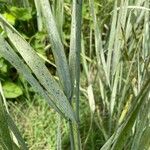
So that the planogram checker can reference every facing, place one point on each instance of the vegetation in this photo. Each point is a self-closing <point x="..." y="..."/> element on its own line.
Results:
<point x="75" y="74"/>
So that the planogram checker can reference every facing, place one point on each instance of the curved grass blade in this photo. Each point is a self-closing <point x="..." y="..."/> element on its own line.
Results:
<point x="8" y="53"/>
<point x="117" y="140"/>
<point x="127" y="126"/>
<point x="16" y="132"/>
<point x="39" y="69"/>
<point x="145" y="140"/>
<point x="15" y="147"/>
<point x="5" y="138"/>
<point x="108" y="144"/>
<point x="141" y="126"/>
<point x="120" y="24"/>
<point x="57" y="48"/>
<point x="12" y="126"/>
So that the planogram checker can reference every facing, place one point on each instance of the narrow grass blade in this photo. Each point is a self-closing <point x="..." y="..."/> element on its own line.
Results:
<point x="145" y="141"/>
<point x="118" y="139"/>
<point x="75" y="42"/>
<point x="114" y="92"/>
<point x="107" y="145"/>
<point x="111" y="40"/>
<point x="74" y="65"/>
<point x="127" y="126"/>
<point x="91" y="98"/>
<point x="141" y="126"/>
<point x="98" y="44"/>
<point x="58" y="12"/>
<point x="12" y="125"/>
<point x="113" y="99"/>
<point x="15" y="147"/>
<point x="57" y="48"/>
<point x="39" y="15"/>
<point x="84" y="61"/>
<point x="16" y="132"/>
<point x="59" y="136"/>
<point x="5" y="138"/>
<point x="122" y="16"/>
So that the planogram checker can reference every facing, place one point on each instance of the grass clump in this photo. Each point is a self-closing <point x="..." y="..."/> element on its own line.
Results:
<point x="100" y="83"/>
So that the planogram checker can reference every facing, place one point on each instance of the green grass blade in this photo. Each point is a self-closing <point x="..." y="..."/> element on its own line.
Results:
<point x="5" y="138"/>
<point x="75" y="42"/>
<point x="16" y="132"/>
<point x="39" y="15"/>
<point x="98" y="43"/>
<point x="59" y="136"/>
<point x="145" y="141"/>
<point x="84" y="61"/>
<point x="114" y="92"/>
<point x="113" y="99"/>
<point x="127" y="126"/>
<point x="15" y="147"/>
<point x="108" y="144"/>
<point x="141" y="126"/>
<point x="58" y="12"/>
<point x="122" y="16"/>
<point x="111" y="40"/>
<point x="74" y="64"/>
<point x="57" y="48"/>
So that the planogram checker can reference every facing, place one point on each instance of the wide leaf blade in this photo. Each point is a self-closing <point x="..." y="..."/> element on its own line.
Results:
<point x="39" y="69"/>
<point x="57" y="48"/>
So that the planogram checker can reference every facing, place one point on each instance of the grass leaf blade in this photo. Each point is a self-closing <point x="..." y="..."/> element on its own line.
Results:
<point x="5" y="137"/>
<point x="57" y="48"/>
<point x="53" y="90"/>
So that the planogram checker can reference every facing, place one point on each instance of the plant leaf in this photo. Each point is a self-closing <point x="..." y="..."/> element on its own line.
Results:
<point x="57" y="48"/>
<point x="16" y="132"/>
<point x="38" y="67"/>
<point x="75" y="42"/>
<point x="5" y="138"/>
<point x="126" y="128"/>
<point x="11" y="90"/>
